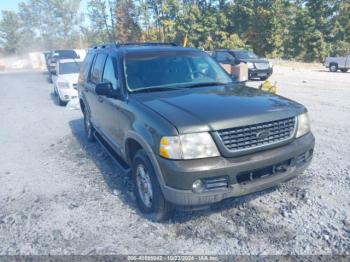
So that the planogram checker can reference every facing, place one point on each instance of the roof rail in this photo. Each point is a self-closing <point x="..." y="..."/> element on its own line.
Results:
<point x="106" y="45"/>
<point x="103" y="45"/>
<point x="145" y="44"/>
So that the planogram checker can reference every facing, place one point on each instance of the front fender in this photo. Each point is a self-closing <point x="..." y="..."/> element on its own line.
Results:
<point x="141" y="139"/>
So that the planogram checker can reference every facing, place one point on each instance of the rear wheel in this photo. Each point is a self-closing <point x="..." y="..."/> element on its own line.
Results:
<point x="344" y="70"/>
<point x="149" y="197"/>
<point x="89" y="129"/>
<point x="333" y="67"/>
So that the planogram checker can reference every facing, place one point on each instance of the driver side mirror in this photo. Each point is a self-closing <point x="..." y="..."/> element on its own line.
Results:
<point x="106" y="89"/>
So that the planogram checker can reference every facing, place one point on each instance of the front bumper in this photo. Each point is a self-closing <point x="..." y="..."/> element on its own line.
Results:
<point x="258" y="73"/>
<point x="67" y="94"/>
<point x="180" y="175"/>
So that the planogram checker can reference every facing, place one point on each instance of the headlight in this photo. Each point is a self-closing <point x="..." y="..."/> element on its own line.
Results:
<point x="303" y="124"/>
<point x="250" y="65"/>
<point x="63" y="84"/>
<point x="270" y="64"/>
<point x="188" y="146"/>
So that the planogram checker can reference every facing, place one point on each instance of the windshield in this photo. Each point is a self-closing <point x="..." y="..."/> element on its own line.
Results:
<point x="172" y="70"/>
<point x="70" y="68"/>
<point x="245" y="55"/>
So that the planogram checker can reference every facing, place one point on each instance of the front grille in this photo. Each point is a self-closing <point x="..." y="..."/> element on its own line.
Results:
<point x="262" y="66"/>
<point x="263" y="172"/>
<point x="258" y="135"/>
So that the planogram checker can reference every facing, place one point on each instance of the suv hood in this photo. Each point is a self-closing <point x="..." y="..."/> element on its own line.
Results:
<point x="218" y="107"/>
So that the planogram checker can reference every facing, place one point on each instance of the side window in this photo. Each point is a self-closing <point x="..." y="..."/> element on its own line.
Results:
<point x="97" y="70"/>
<point x="85" y="69"/>
<point x="109" y="73"/>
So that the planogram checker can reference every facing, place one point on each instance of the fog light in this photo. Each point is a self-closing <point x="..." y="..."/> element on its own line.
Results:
<point x="308" y="154"/>
<point x="197" y="186"/>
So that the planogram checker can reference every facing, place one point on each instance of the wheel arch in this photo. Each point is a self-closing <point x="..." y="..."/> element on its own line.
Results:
<point x="82" y="104"/>
<point x="134" y="142"/>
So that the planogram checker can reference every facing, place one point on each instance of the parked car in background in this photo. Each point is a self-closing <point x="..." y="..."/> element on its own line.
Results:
<point x="258" y="68"/>
<point x="47" y="55"/>
<point x="65" y="79"/>
<point x="60" y="54"/>
<point x="338" y="63"/>
<point x="188" y="134"/>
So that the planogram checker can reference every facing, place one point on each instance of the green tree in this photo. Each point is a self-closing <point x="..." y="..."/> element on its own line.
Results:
<point x="127" y="29"/>
<point x="10" y="33"/>
<point x="101" y="16"/>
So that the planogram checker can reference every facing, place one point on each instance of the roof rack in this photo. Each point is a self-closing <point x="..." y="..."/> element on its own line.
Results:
<point x="145" y="44"/>
<point x="106" y="45"/>
<point x="103" y="45"/>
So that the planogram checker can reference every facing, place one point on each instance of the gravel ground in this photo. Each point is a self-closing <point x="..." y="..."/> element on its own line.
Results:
<point x="60" y="194"/>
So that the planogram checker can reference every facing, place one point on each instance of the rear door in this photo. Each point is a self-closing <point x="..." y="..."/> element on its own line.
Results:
<point x="110" y="107"/>
<point x="89" y="88"/>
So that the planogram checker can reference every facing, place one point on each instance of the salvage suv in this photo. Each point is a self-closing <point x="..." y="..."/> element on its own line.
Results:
<point x="189" y="135"/>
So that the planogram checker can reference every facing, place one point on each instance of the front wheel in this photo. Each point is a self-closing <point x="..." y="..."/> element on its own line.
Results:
<point x="149" y="197"/>
<point x="59" y="101"/>
<point x="333" y="68"/>
<point x="344" y="70"/>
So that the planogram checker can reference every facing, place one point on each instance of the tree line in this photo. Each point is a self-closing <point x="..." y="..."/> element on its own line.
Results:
<point x="305" y="30"/>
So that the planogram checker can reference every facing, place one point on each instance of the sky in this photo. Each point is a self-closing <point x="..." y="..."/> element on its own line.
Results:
<point x="9" y="4"/>
<point x="13" y="4"/>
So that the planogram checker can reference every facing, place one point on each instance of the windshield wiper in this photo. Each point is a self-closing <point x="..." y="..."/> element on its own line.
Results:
<point x="206" y="84"/>
<point x="155" y="89"/>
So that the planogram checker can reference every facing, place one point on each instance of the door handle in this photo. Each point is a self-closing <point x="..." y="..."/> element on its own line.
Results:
<point x="100" y="99"/>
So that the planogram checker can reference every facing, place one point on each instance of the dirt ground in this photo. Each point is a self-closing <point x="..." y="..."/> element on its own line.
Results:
<point x="60" y="194"/>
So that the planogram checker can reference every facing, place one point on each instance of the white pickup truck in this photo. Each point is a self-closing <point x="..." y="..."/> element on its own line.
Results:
<point x="338" y="63"/>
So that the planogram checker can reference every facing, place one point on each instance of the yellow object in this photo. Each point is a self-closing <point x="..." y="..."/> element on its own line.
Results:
<point x="267" y="86"/>
<point x="164" y="152"/>
<point x="164" y="141"/>
<point x="185" y="41"/>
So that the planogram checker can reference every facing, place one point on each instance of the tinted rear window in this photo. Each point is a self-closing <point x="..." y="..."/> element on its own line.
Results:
<point x="66" y="53"/>
<point x="97" y="70"/>
<point x="85" y="70"/>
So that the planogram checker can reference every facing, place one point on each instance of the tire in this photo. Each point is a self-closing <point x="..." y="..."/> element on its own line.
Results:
<point x="344" y="70"/>
<point x="333" y="68"/>
<point x="60" y="102"/>
<point x="149" y="196"/>
<point x="89" y="129"/>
